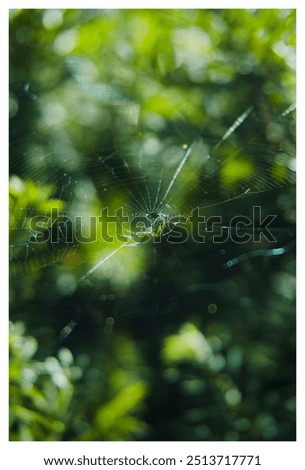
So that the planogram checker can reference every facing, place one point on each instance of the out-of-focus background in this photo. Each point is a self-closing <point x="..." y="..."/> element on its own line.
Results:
<point x="160" y="341"/>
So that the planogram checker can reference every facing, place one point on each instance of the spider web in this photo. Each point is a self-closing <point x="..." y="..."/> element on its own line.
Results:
<point x="149" y="175"/>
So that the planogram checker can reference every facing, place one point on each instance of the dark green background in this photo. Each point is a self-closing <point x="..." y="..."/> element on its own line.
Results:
<point x="169" y="344"/>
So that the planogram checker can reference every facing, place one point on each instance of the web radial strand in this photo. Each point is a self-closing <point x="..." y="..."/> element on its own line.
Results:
<point x="147" y="191"/>
<point x="267" y="253"/>
<point x="150" y="207"/>
<point x="144" y="202"/>
<point x="234" y="126"/>
<point x="176" y="174"/>
<point x="135" y="203"/>
<point x="101" y="262"/>
<point x="289" y="110"/>
<point x="159" y="184"/>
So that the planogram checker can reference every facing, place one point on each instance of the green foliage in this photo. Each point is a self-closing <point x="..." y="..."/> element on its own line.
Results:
<point x="189" y="345"/>
<point x="40" y="391"/>
<point x="45" y="399"/>
<point x="219" y="380"/>
<point x="168" y="344"/>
